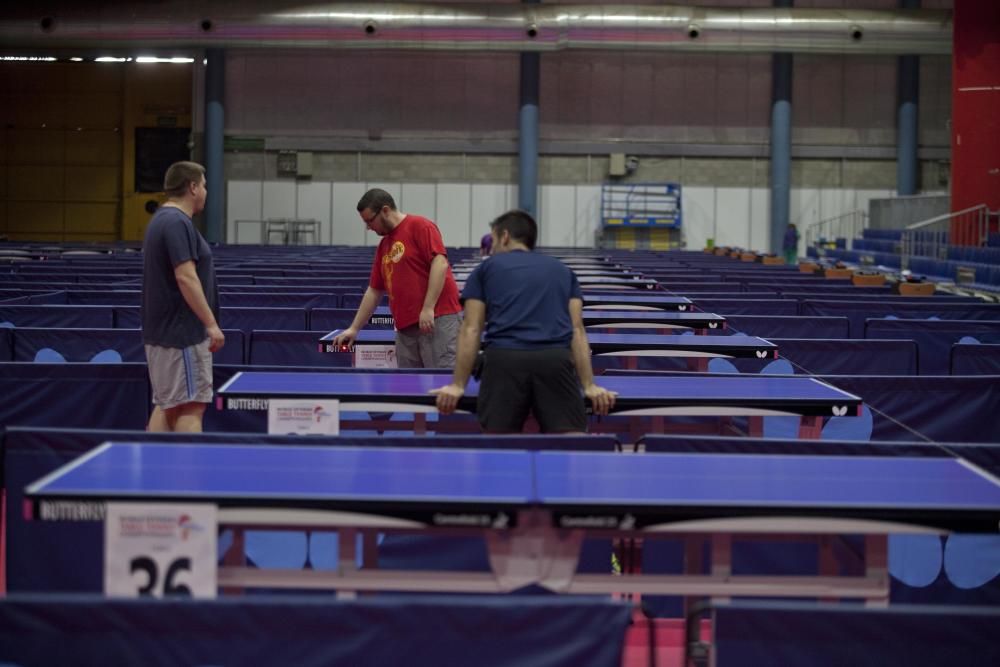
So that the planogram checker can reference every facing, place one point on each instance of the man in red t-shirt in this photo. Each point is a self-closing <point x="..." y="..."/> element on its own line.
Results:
<point x="411" y="266"/>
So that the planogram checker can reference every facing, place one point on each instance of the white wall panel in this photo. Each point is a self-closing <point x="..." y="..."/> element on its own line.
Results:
<point x="732" y="222"/>
<point x="454" y="204"/>
<point x="419" y="199"/>
<point x="488" y="202"/>
<point x="314" y="203"/>
<point x="760" y="219"/>
<point x="243" y="201"/>
<point x="557" y="215"/>
<point x="588" y="215"/>
<point x="698" y="209"/>
<point x="804" y="206"/>
<point x="279" y="200"/>
<point x="346" y="226"/>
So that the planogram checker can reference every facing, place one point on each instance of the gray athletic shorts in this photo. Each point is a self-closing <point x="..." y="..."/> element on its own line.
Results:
<point x="434" y="350"/>
<point x="180" y="375"/>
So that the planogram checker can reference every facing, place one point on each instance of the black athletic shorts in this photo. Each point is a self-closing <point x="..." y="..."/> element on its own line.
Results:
<point x="515" y="383"/>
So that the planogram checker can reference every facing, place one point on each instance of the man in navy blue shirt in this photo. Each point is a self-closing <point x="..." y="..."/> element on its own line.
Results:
<point x="536" y="359"/>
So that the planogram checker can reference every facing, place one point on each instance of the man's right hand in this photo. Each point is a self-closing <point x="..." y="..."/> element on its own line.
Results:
<point x="216" y="338"/>
<point x="346" y="337"/>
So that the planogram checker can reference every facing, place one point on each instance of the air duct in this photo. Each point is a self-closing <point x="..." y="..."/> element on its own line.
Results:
<point x="180" y="24"/>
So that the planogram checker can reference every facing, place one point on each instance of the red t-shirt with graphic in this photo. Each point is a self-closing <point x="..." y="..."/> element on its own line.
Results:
<point x="402" y="268"/>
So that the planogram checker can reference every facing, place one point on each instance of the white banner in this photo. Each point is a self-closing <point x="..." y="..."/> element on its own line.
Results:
<point x="296" y="416"/>
<point x="160" y="550"/>
<point x="375" y="356"/>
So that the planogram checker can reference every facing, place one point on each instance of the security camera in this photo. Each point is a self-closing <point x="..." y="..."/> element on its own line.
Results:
<point x="370" y="27"/>
<point x="694" y="31"/>
<point x="631" y="163"/>
<point x="857" y="32"/>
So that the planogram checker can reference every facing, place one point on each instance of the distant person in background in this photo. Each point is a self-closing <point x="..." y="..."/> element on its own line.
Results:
<point x="486" y="245"/>
<point x="411" y="266"/>
<point x="790" y="244"/>
<point x="180" y="305"/>
<point x="537" y="359"/>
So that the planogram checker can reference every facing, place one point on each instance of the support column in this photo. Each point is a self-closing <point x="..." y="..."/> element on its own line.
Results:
<point x="975" y="113"/>
<point x="527" y="145"/>
<point x="907" y="138"/>
<point x="214" y="140"/>
<point x="781" y="142"/>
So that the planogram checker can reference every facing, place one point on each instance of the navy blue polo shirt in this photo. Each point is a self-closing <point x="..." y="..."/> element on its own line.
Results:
<point x="527" y="299"/>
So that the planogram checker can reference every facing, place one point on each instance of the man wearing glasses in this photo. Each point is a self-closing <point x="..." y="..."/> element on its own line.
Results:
<point x="411" y="266"/>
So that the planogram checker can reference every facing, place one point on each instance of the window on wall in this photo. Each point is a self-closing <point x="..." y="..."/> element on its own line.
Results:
<point x="156" y="148"/>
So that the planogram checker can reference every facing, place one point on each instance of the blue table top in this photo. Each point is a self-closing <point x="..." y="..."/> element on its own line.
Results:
<point x="762" y="481"/>
<point x="321" y="477"/>
<point x="581" y="488"/>
<point x="798" y="395"/>
<point x="600" y="343"/>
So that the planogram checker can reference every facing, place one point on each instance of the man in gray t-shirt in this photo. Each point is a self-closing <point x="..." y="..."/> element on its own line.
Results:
<point x="180" y="305"/>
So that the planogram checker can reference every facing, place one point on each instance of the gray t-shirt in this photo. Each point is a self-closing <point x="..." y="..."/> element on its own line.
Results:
<point x="171" y="240"/>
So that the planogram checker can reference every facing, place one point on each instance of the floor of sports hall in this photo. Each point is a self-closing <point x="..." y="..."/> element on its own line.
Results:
<point x="911" y="370"/>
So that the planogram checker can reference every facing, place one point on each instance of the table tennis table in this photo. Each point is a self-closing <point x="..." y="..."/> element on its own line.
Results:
<point x="601" y="283"/>
<point x="697" y="349"/>
<point x="755" y="396"/>
<point x="627" y="301"/>
<point x="534" y="508"/>
<point x="652" y="319"/>
<point x="590" y="274"/>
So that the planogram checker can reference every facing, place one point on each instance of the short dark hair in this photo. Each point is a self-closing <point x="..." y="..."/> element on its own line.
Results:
<point x="519" y="224"/>
<point x="375" y="199"/>
<point x="179" y="175"/>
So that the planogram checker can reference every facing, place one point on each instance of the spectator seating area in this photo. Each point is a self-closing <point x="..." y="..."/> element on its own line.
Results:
<point x="980" y="266"/>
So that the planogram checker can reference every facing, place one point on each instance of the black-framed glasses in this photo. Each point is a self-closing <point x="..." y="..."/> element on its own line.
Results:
<point x="369" y="221"/>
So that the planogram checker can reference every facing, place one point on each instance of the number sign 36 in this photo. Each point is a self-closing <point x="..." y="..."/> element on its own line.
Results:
<point x="160" y="550"/>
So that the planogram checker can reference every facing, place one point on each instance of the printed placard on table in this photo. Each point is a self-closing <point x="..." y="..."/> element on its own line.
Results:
<point x="160" y="550"/>
<point x="295" y="416"/>
<point x="375" y="356"/>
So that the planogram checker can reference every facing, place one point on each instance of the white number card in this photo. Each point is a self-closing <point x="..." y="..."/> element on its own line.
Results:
<point x="292" y="416"/>
<point x="160" y="550"/>
<point x="375" y="356"/>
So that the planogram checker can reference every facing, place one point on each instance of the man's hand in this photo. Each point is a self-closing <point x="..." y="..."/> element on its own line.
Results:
<point x="216" y="338"/>
<point x="601" y="399"/>
<point x="426" y="320"/>
<point x="346" y="337"/>
<point x="447" y="397"/>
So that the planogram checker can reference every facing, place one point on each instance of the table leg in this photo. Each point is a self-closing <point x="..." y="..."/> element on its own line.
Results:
<point x="877" y="566"/>
<point x="235" y="556"/>
<point x="810" y="427"/>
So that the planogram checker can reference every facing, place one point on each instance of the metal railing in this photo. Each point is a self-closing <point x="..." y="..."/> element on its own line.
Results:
<point x="930" y="238"/>
<point x="846" y="225"/>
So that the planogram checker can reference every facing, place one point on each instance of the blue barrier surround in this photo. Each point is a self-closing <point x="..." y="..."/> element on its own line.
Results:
<point x="421" y="630"/>
<point x="751" y="634"/>
<point x="81" y="345"/>
<point x="778" y="326"/>
<point x="857" y="312"/>
<point x="6" y="344"/>
<point x="975" y="359"/>
<point x="66" y="316"/>
<point x="934" y="338"/>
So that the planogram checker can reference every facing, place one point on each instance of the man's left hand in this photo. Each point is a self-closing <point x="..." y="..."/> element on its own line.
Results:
<point x="426" y="320"/>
